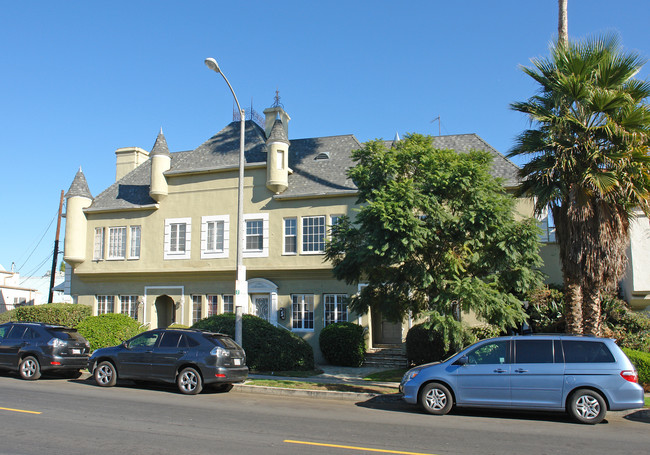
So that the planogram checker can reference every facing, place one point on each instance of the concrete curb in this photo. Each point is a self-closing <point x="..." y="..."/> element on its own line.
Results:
<point x="321" y="394"/>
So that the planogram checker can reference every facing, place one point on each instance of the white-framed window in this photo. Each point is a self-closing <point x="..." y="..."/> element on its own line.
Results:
<point x="178" y="238"/>
<point x="215" y="236"/>
<point x="228" y="303"/>
<point x="117" y="242"/>
<point x="313" y="234"/>
<point x="129" y="305"/>
<point x="290" y="238"/>
<point x="302" y="311"/>
<point x="134" y="242"/>
<point x="256" y="243"/>
<point x="336" y="308"/>
<point x="105" y="304"/>
<point x="98" y="248"/>
<point x="197" y="307"/>
<point x="213" y="304"/>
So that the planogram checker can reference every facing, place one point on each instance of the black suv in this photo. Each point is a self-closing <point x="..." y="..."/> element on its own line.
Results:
<point x="188" y="357"/>
<point x="34" y="347"/>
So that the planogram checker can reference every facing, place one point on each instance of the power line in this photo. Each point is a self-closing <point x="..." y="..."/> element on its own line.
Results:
<point x="40" y="240"/>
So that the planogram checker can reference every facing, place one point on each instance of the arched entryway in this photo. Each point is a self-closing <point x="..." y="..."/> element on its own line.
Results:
<point x="164" y="311"/>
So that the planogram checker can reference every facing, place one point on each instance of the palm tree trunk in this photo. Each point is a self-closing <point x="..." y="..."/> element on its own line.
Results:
<point x="591" y="320"/>
<point x="562" y="23"/>
<point x="573" y="306"/>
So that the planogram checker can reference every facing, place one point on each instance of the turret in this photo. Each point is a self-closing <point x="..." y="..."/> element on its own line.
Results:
<point x="161" y="161"/>
<point x="78" y="198"/>
<point x="277" y="149"/>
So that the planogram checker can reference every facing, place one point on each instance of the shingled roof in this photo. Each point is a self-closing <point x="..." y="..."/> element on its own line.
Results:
<point x="319" y="165"/>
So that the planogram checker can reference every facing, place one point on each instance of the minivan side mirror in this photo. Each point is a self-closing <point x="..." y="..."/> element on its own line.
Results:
<point x="462" y="361"/>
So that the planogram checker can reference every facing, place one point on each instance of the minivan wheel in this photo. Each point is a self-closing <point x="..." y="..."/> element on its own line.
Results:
<point x="105" y="374"/>
<point x="587" y="406"/>
<point x="436" y="399"/>
<point x="189" y="381"/>
<point x="29" y="368"/>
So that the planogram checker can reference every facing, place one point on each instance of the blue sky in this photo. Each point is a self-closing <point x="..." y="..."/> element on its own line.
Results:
<point x="80" y="79"/>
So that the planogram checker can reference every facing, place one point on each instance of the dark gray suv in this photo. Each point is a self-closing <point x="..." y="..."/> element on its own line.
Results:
<point x="32" y="348"/>
<point x="190" y="358"/>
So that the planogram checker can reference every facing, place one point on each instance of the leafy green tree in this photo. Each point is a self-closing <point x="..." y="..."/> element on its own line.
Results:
<point x="436" y="236"/>
<point x="589" y="162"/>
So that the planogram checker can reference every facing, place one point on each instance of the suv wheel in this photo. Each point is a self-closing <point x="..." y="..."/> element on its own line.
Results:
<point x="105" y="374"/>
<point x="436" y="399"/>
<point x="189" y="381"/>
<point x="29" y="368"/>
<point x="587" y="406"/>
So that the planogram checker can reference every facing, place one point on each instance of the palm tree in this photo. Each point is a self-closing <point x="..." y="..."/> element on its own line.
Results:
<point x="588" y="150"/>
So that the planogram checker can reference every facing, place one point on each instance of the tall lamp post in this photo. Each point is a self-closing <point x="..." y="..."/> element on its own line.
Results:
<point x="241" y="286"/>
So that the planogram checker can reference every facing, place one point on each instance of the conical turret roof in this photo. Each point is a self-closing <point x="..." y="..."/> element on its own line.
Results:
<point x="278" y="134"/>
<point x="160" y="146"/>
<point x="79" y="186"/>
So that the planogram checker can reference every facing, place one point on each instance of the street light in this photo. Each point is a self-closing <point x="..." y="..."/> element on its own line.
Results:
<point x="241" y="286"/>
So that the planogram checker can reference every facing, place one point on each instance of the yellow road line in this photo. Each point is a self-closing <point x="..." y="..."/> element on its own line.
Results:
<point x="365" y="449"/>
<point x="20" y="410"/>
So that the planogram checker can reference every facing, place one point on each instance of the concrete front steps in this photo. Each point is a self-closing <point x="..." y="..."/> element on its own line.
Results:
<point x="389" y="356"/>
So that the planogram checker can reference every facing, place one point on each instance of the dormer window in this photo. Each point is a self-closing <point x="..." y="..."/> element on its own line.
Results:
<point x="322" y="156"/>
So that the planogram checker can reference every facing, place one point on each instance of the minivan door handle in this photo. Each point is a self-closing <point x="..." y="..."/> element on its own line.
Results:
<point x="499" y="370"/>
<point x="521" y="370"/>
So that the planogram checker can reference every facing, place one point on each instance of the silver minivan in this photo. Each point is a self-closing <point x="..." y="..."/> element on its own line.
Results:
<point x="584" y="376"/>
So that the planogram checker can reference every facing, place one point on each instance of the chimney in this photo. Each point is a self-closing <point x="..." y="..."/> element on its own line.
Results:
<point x="127" y="159"/>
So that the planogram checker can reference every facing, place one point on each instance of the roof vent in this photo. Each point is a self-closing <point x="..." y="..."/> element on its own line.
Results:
<point x="322" y="156"/>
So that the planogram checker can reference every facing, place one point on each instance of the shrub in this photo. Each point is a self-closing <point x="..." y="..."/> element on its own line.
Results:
<point x="546" y="310"/>
<point x="481" y="332"/>
<point x="426" y="345"/>
<point x="630" y="329"/>
<point x="8" y="316"/>
<point x="641" y="361"/>
<point x="109" y="329"/>
<point x="178" y="326"/>
<point x="343" y="344"/>
<point x="66" y="314"/>
<point x="268" y="348"/>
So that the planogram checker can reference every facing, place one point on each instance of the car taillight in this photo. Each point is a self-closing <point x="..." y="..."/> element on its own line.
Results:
<point x="220" y="352"/>
<point x="630" y="375"/>
<point x="56" y="343"/>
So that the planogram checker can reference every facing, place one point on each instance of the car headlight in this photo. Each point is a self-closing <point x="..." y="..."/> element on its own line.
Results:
<point x="410" y="374"/>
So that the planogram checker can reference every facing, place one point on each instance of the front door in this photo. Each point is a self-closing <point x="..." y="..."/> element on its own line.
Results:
<point x="262" y="306"/>
<point x="164" y="311"/>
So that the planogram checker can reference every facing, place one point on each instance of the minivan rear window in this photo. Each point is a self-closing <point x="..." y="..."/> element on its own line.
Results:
<point x="586" y="352"/>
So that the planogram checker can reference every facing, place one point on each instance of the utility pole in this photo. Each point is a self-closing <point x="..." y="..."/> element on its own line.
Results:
<point x="56" y="251"/>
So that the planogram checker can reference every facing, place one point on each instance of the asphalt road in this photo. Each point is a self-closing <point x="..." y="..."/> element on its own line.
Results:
<point x="77" y="417"/>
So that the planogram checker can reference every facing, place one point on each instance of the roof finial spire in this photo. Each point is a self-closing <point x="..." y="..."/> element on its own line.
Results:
<point x="276" y="99"/>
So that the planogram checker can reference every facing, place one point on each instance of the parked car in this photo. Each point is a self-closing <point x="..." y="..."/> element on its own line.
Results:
<point x="32" y="348"/>
<point x="190" y="358"/>
<point x="584" y="376"/>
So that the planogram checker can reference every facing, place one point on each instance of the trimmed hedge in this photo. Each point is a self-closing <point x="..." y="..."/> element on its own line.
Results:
<point x="343" y="344"/>
<point x="109" y="329"/>
<point x="425" y="346"/>
<point x="268" y="348"/>
<point x="65" y="314"/>
<point x="641" y="361"/>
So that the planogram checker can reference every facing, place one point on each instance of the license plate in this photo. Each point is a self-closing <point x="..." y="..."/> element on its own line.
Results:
<point x="76" y="351"/>
<point x="236" y="362"/>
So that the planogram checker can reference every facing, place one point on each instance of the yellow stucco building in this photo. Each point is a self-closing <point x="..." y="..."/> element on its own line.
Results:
<point x="160" y="243"/>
